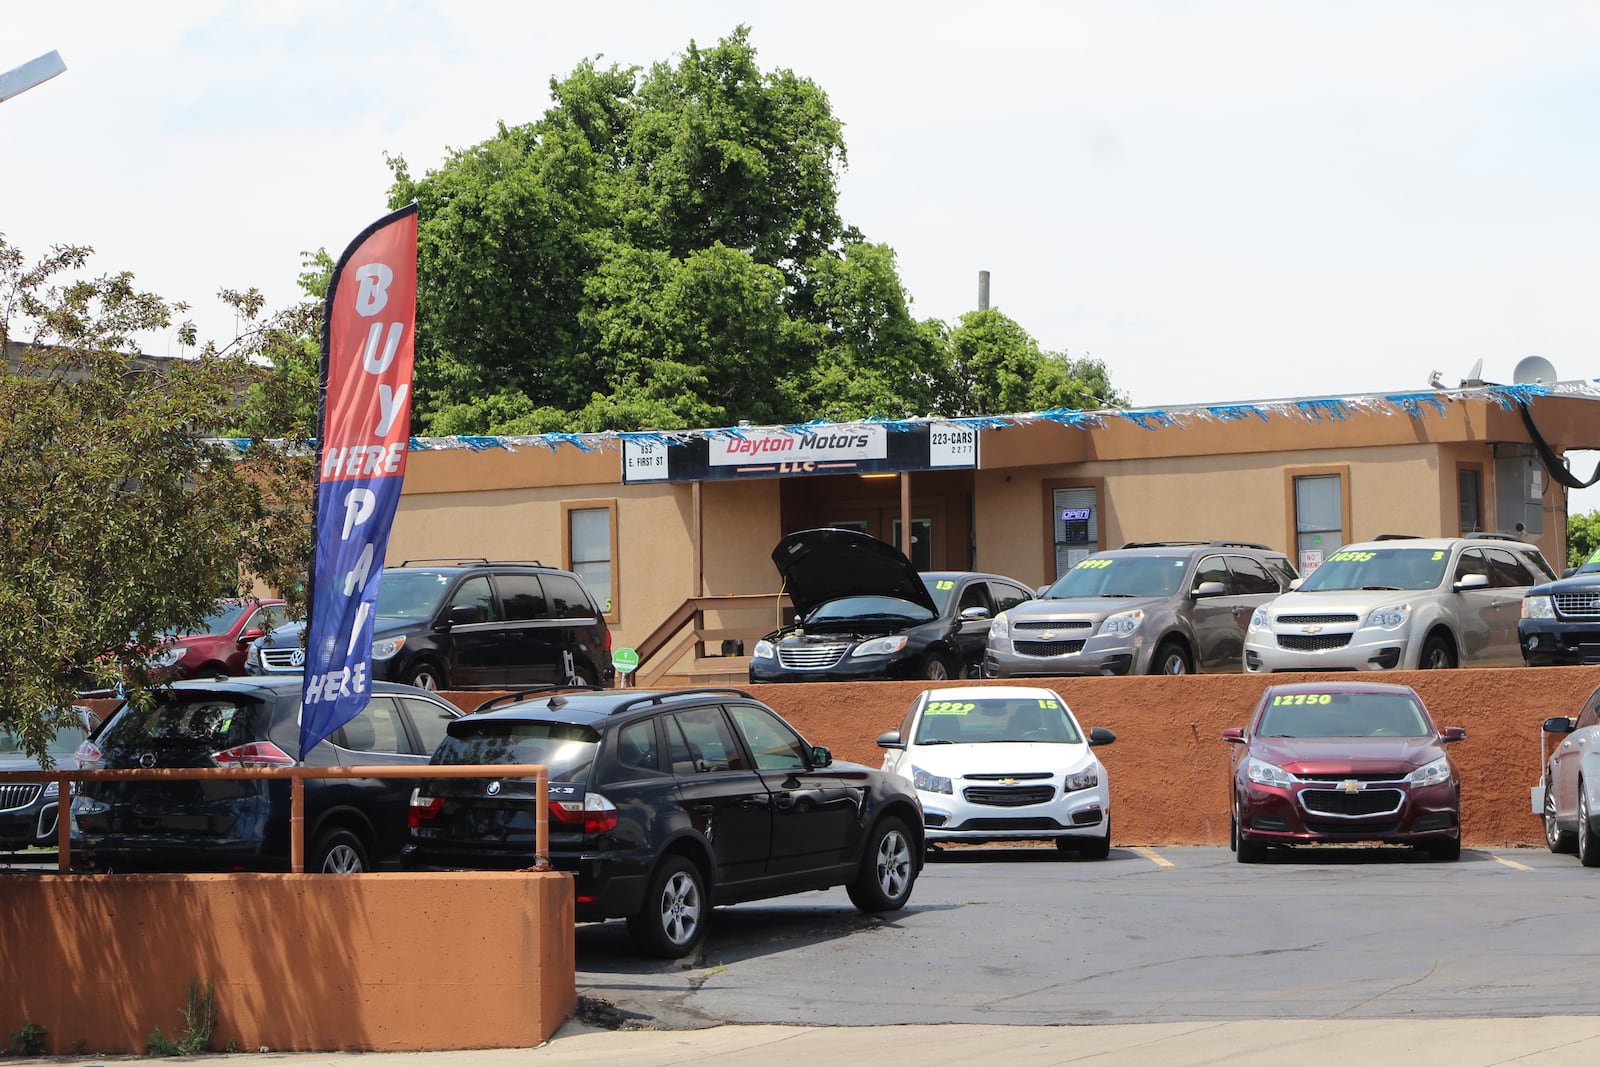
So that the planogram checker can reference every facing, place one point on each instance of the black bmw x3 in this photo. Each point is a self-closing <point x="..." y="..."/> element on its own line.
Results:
<point x="665" y="804"/>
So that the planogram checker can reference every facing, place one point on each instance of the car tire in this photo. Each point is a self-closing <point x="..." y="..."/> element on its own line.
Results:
<point x="1091" y="848"/>
<point x="1233" y="833"/>
<point x="1588" y="843"/>
<point x="1244" y="849"/>
<point x="936" y="668"/>
<point x="338" y="852"/>
<point x="1557" y="839"/>
<point x="1170" y="658"/>
<point x="888" y="868"/>
<point x="1437" y="654"/>
<point x="425" y="674"/>
<point x="1445" y="851"/>
<point x="672" y="922"/>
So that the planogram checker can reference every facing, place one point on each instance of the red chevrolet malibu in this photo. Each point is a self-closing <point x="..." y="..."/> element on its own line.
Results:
<point x="1344" y="762"/>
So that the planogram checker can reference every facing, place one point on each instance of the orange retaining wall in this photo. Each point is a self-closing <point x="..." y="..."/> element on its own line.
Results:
<point x="1169" y="766"/>
<point x="375" y="962"/>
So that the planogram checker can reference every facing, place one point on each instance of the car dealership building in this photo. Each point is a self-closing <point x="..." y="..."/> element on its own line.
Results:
<point x="674" y="530"/>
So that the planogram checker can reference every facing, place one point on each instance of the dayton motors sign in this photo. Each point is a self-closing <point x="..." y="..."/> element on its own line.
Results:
<point x="771" y="452"/>
<point x="830" y="449"/>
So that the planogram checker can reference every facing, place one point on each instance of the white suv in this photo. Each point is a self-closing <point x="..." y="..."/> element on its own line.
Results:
<point x="1401" y="603"/>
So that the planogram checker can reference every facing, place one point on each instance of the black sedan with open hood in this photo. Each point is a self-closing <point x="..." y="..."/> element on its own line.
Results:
<point x="862" y="612"/>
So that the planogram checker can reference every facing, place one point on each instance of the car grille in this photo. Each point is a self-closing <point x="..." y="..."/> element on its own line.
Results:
<point x="1010" y="824"/>
<point x="1352" y="805"/>
<point x="19" y="794"/>
<point x="1312" y="642"/>
<point x="1000" y="796"/>
<point x="1314" y="620"/>
<point x="1045" y="624"/>
<point x="1578" y="604"/>
<point x="1047" y="648"/>
<point x="812" y="656"/>
<point x="283" y="659"/>
<point x="1368" y="831"/>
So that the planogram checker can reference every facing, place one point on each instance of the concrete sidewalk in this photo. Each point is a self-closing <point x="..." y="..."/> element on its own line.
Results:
<point x="1456" y="1042"/>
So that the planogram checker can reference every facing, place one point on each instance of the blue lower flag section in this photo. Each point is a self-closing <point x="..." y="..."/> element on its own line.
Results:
<point x="353" y="522"/>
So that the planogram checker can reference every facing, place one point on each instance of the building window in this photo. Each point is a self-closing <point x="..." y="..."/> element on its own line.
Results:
<point x="1469" y="481"/>
<point x="590" y="534"/>
<point x="1075" y="521"/>
<point x="1318" y="519"/>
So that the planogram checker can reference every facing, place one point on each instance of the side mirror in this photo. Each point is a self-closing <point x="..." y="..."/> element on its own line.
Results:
<point x="1042" y="590"/>
<point x="1558" y="724"/>
<point x="821" y="756"/>
<point x="461" y="614"/>
<point x="1452" y="733"/>
<point x="1210" y="589"/>
<point x="1233" y="735"/>
<point x="1099" y="735"/>
<point x="974" y="613"/>
<point x="1473" y="581"/>
<point x="890" y="739"/>
<point x="250" y="635"/>
<point x="1296" y="584"/>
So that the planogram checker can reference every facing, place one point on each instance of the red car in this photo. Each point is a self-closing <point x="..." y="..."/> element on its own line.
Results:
<point x="1344" y="762"/>
<point x="220" y="644"/>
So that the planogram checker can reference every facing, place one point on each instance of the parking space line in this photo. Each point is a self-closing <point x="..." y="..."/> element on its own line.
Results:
<point x="1153" y="856"/>
<point x="1513" y="864"/>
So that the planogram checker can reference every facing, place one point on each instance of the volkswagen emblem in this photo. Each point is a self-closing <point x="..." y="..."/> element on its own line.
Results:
<point x="494" y="789"/>
<point x="147" y="760"/>
<point x="297" y="658"/>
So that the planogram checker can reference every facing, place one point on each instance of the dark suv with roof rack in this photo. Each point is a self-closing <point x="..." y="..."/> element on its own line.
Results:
<point x="1149" y="607"/>
<point x="470" y="624"/>
<point x="665" y="804"/>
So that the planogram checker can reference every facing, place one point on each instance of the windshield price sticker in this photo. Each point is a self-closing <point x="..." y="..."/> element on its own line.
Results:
<point x="1353" y="557"/>
<point x="1049" y="705"/>
<point x="944" y="583"/>
<point x="948" y="707"/>
<point x="1438" y="555"/>
<point x="1096" y="564"/>
<point x="1302" y="698"/>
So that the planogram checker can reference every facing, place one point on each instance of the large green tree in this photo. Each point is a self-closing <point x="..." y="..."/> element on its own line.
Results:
<point x="663" y="249"/>
<point x="127" y="510"/>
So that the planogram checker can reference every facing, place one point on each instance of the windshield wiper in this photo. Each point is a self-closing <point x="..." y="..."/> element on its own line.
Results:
<point x="1393" y="588"/>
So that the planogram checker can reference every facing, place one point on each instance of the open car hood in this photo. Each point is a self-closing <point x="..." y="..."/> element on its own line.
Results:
<point x="822" y="565"/>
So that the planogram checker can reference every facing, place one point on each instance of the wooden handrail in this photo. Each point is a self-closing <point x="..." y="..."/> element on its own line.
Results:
<point x="298" y="776"/>
<point x="692" y="610"/>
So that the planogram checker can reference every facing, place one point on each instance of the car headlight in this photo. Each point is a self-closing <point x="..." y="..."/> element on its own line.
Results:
<point x="763" y="650"/>
<point x="1260" y="619"/>
<point x="167" y="657"/>
<point x="52" y="789"/>
<point x="253" y="656"/>
<point x="1122" y="624"/>
<point x="880" y="646"/>
<point x="1538" y="607"/>
<point x="1264" y="773"/>
<point x="930" y="783"/>
<point x="387" y="647"/>
<point x="1000" y="628"/>
<point x="1390" y="618"/>
<point x="1435" y="773"/>
<point x="1082" y="780"/>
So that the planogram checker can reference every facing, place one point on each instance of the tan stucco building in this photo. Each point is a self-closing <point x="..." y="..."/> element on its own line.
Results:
<point x="679" y="528"/>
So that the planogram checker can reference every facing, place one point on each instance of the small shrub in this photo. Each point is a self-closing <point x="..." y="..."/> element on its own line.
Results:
<point x="199" y="1020"/>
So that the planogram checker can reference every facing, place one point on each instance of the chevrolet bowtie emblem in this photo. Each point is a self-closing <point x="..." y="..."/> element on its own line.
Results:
<point x="1311" y="629"/>
<point x="1350" y="785"/>
<point x="1048" y="635"/>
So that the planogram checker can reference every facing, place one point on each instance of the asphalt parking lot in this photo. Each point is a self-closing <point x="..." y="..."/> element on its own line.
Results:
<point x="1025" y="936"/>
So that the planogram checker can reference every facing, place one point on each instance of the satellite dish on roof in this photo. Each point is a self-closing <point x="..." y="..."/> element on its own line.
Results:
<point x="1534" y="370"/>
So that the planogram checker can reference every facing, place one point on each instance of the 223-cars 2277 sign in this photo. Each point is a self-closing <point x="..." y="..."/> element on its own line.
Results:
<point x="772" y="452"/>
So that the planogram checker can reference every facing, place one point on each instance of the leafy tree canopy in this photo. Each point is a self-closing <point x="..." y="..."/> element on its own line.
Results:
<point x="663" y="250"/>
<point x="1583" y="537"/>
<point x="125" y="513"/>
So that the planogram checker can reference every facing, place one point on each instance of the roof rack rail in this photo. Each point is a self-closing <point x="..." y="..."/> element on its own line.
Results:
<point x="1493" y="537"/>
<point x="1397" y="537"/>
<point x="1198" y="544"/>
<point x="458" y="561"/>
<point x="533" y="691"/>
<point x="670" y="694"/>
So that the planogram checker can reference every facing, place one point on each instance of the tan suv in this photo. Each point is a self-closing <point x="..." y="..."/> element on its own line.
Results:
<point x="1401" y="603"/>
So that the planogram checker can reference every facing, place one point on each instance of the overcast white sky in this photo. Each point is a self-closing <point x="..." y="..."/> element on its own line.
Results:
<point x="1224" y="201"/>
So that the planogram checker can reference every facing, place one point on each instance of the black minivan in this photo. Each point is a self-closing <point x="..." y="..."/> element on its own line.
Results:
<point x="470" y="625"/>
<point x="239" y="824"/>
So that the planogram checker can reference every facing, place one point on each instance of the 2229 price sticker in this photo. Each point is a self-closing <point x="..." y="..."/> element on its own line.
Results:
<point x="948" y="707"/>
